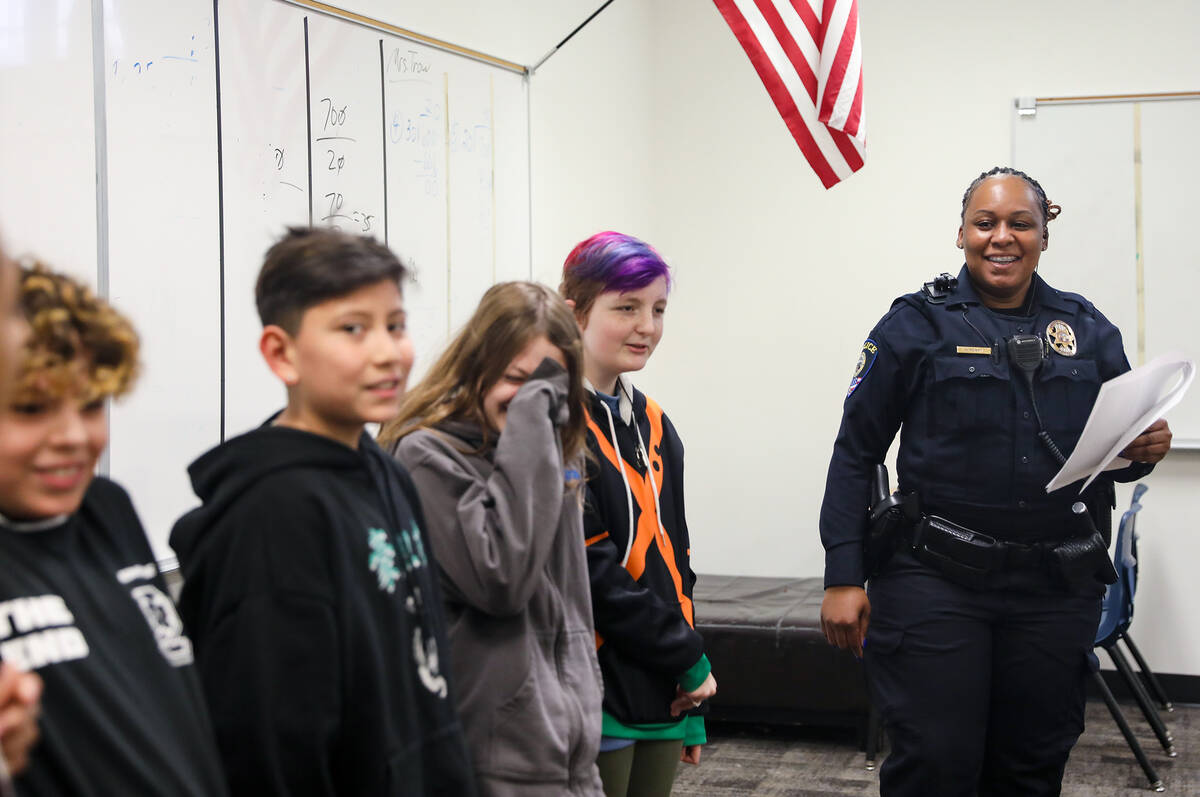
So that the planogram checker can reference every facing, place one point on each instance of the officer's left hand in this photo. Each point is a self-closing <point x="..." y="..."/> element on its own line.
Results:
<point x="1151" y="445"/>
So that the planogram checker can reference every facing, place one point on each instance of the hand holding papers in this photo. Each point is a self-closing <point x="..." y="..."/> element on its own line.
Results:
<point x="1125" y="406"/>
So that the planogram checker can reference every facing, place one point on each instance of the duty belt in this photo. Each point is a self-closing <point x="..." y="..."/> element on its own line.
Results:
<point x="971" y="557"/>
<point x="977" y="560"/>
<point x="974" y="559"/>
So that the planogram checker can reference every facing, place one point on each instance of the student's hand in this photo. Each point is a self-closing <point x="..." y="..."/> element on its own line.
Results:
<point x="845" y="614"/>
<point x="691" y="754"/>
<point x="20" y="696"/>
<point x="560" y="410"/>
<point x="686" y="701"/>
<point x="1151" y="445"/>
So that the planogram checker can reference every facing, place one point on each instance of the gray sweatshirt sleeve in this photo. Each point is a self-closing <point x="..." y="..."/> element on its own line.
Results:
<point x="492" y="536"/>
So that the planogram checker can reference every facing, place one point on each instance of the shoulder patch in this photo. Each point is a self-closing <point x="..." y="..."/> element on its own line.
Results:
<point x="866" y="358"/>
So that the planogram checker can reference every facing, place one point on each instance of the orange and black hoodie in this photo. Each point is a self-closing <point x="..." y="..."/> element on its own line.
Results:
<point x="638" y="555"/>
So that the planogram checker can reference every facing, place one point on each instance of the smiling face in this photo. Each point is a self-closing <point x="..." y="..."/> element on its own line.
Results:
<point x="49" y="446"/>
<point x="347" y="364"/>
<point x="1002" y="235"/>
<point x="497" y="398"/>
<point x="621" y="331"/>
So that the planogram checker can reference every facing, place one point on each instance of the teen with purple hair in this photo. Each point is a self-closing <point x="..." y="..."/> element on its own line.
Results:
<point x="655" y="672"/>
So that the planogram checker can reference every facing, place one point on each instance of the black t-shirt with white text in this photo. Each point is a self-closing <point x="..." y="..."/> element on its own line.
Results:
<point x="82" y="603"/>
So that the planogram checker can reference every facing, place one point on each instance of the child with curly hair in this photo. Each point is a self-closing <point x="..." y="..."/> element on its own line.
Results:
<point x="82" y="602"/>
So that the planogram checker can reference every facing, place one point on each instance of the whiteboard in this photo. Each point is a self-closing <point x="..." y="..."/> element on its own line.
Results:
<point x="160" y="110"/>
<point x="185" y="137"/>
<point x="48" y="157"/>
<point x="333" y="122"/>
<point x="1083" y="155"/>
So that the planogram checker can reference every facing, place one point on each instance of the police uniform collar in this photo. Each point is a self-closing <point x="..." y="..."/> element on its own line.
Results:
<point x="1044" y="295"/>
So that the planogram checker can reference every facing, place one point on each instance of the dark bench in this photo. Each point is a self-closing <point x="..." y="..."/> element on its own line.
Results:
<point x="772" y="664"/>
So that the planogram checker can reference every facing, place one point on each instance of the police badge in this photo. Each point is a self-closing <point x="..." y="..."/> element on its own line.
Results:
<point x="1061" y="338"/>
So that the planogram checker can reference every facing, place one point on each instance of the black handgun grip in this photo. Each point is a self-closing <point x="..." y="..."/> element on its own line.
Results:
<point x="879" y="486"/>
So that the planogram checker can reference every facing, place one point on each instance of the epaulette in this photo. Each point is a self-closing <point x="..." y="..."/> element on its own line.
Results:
<point x="1085" y="304"/>
<point x="937" y="289"/>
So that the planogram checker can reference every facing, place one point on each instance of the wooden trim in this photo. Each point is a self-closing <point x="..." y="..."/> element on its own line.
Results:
<point x="1168" y="95"/>
<point x="404" y="33"/>
<point x="1139" y="234"/>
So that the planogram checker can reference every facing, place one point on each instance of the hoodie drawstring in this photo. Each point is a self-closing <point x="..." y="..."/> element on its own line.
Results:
<point x="612" y="431"/>
<point x="644" y="456"/>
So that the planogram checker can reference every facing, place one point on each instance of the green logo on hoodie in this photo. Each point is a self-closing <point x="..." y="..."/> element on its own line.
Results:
<point x="382" y="559"/>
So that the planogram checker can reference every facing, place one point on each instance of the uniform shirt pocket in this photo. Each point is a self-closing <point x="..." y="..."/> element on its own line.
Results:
<point x="970" y="393"/>
<point x="1066" y="391"/>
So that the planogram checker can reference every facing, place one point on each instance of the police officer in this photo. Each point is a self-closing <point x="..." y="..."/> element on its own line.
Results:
<point x="977" y="642"/>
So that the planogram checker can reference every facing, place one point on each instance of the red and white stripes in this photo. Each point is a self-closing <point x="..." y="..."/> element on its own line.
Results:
<point x="809" y="56"/>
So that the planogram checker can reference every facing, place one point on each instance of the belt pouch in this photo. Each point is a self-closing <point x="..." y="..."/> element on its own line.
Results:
<point x="1083" y="563"/>
<point x="961" y="555"/>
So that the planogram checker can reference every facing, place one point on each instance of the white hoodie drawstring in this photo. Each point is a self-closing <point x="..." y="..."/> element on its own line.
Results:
<point x="612" y="431"/>
<point x="645" y="456"/>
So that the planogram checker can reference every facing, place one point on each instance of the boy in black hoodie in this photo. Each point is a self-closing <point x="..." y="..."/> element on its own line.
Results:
<point x="309" y="593"/>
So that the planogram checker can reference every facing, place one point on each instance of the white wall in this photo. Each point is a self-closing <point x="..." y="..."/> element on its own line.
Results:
<point x="592" y="137"/>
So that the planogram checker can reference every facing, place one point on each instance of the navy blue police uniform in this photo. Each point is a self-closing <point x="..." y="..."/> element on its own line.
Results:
<point x="981" y="686"/>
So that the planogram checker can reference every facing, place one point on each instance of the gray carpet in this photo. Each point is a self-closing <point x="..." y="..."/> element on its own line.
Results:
<point x="774" y="762"/>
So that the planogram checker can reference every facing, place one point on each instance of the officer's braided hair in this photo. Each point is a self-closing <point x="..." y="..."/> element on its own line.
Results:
<point x="1049" y="210"/>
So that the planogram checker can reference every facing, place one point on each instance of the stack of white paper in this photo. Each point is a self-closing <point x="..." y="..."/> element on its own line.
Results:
<point x="1125" y="406"/>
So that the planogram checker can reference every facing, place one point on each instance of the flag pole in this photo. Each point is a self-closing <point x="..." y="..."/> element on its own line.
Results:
<point x="580" y="27"/>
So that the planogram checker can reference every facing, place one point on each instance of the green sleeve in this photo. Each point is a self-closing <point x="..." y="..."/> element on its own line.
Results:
<point x="694" y="732"/>
<point x="696" y="674"/>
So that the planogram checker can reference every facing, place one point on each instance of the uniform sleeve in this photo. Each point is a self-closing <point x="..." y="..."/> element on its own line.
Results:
<point x="492" y="536"/>
<point x="631" y="618"/>
<point x="873" y="410"/>
<point x="268" y="654"/>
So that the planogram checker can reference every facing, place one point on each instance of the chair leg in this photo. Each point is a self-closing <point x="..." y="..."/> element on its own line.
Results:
<point x="1143" y="699"/>
<point x="874" y="731"/>
<point x="1148" y="676"/>
<point x="1118" y="717"/>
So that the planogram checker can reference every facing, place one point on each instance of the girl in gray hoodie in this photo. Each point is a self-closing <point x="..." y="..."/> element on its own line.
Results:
<point x="494" y="439"/>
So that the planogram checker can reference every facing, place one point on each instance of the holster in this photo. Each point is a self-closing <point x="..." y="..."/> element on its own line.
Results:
<point x="1083" y="561"/>
<point x="886" y="521"/>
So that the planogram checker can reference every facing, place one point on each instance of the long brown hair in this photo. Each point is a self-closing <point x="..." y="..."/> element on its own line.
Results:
<point x="510" y="315"/>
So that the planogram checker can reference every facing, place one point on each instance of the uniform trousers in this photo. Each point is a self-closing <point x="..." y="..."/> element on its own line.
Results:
<point x="982" y="692"/>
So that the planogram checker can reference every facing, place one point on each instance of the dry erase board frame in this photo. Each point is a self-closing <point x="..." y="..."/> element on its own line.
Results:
<point x="1121" y="166"/>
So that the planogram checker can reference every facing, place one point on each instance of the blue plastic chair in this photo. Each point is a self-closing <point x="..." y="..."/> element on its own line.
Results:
<point x="1115" y="618"/>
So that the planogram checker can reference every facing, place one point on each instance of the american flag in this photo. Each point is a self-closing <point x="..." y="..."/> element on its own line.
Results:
<point x="808" y="55"/>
